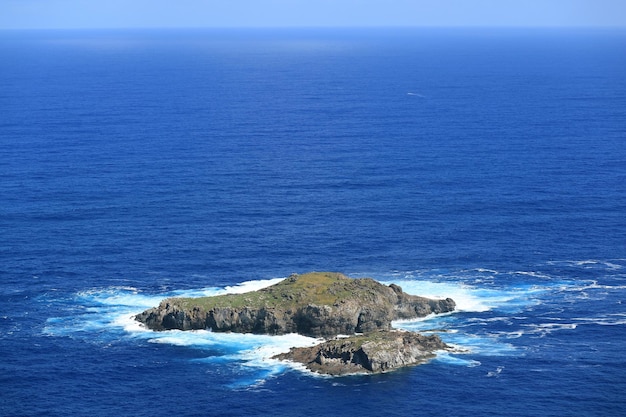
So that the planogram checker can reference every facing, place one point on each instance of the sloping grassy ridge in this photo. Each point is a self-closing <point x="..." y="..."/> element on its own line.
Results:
<point x="319" y="288"/>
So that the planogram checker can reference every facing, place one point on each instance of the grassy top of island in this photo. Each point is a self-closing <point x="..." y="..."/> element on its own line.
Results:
<point x="320" y="288"/>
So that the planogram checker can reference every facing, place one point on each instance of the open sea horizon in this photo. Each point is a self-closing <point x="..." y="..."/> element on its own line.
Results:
<point x="485" y="165"/>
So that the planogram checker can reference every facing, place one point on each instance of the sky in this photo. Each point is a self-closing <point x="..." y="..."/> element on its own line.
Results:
<point x="73" y="14"/>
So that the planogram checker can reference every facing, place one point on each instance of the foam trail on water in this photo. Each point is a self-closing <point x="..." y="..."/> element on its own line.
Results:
<point x="450" y="359"/>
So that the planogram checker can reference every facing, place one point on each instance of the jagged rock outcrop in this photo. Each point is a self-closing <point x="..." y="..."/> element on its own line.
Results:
<point x="375" y="352"/>
<point x="313" y="304"/>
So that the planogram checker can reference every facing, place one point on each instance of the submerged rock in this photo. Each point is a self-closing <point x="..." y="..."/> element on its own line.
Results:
<point x="375" y="352"/>
<point x="314" y="304"/>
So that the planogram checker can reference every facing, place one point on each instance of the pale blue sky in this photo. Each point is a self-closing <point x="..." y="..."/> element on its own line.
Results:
<point x="281" y="13"/>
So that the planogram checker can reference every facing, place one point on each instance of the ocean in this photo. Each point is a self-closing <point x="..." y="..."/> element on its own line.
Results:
<point x="485" y="165"/>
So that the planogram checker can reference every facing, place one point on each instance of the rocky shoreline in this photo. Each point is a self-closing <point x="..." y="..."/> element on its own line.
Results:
<point x="317" y="304"/>
<point x="313" y="304"/>
<point x="375" y="352"/>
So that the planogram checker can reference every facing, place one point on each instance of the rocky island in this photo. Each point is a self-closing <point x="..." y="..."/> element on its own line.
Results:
<point x="374" y="352"/>
<point x="317" y="304"/>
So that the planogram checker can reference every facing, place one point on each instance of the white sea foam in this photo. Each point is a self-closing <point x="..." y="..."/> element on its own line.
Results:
<point x="485" y="270"/>
<point x="127" y="322"/>
<point x="450" y="359"/>
<point x="610" y="264"/>
<point x="249" y="286"/>
<point x="592" y="262"/>
<point x="252" y="349"/>
<point x="544" y="329"/>
<point x="243" y="287"/>
<point x="249" y="351"/>
<point x="532" y="274"/>
<point x="467" y="328"/>
<point x="469" y="298"/>
<point x="117" y="306"/>
<point x="122" y="296"/>
<point x="485" y="345"/>
<point x="114" y="309"/>
<point x="463" y="295"/>
<point x="616" y="319"/>
<point x="495" y="373"/>
<point x="609" y="322"/>
<point x="594" y="285"/>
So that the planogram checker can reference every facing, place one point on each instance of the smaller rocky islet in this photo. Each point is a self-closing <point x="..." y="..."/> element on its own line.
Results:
<point x="317" y="304"/>
<point x="374" y="352"/>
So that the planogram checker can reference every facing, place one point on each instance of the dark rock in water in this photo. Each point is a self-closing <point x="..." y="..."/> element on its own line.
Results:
<point x="314" y="304"/>
<point x="375" y="352"/>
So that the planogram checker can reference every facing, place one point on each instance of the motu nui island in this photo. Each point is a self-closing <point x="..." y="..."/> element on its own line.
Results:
<point x="353" y="316"/>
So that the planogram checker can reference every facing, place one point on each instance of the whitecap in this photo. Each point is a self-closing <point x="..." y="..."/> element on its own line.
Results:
<point x="615" y="319"/>
<point x="586" y="262"/>
<point x="533" y="274"/>
<point x="485" y="345"/>
<point x="487" y="271"/>
<point x="495" y="373"/>
<point x="544" y="329"/>
<point x="450" y="359"/>
<point x="610" y="264"/>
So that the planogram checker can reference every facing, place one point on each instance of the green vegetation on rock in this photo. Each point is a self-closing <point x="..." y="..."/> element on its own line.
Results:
<point x="313" y="304"/>
<point x="319" y="288"/>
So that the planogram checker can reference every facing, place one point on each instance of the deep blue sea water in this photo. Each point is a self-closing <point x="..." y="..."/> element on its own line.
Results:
<point x="484" y="165"/>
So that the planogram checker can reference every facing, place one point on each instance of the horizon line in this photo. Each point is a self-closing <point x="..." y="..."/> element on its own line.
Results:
<point x="314" y="27"/>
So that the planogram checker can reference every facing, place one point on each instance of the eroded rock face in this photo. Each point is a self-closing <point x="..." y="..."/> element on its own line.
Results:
<point x="375" y="352"/>
<point x="315" y="304"/>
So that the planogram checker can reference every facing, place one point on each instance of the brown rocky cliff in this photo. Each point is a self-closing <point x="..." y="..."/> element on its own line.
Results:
<point x="375" y="352"/>
<point x="314" y="304"/>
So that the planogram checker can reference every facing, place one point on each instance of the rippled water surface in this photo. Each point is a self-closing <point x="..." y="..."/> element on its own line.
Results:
<point x="485" y="166"/>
